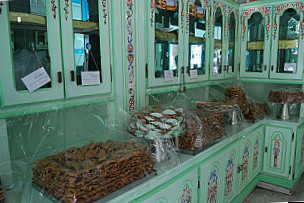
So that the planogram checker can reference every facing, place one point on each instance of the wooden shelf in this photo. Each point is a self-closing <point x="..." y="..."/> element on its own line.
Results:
<point x="166" y="36"/>
<point x="283" y="44"/>
<point x="196" y="39"/>
<point x="27" y="18"/>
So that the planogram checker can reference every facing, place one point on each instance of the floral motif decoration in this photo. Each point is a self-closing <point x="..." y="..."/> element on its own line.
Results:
<point x="66" y="8"/>
<point x="246" y="14"/>
<point x="256" y="153"/>
<point x="1" y="5"/>
<point x="266" y="11"/>
<point x="237" y="22"/>
<point x="276" y="152"/>
<point x="302" y="30"/>
<point x="104" y="11"/>
<point x="130" y="56"/>
<point x="302" y="149"/>
<point x="229" y="176"/>
<point x="186" y="196"/>
<point x="182" y="18"/>
<point x="152" y="12"/>
<point x="54" y="7"/>
<point x="245" y="164"/>
<point x="213" y="186"/>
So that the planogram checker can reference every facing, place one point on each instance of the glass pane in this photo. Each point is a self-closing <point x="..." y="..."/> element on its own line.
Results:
<point x="218" y="44"/>
<point x="231" y="24"/>
<point x="166" y="37"/>
<point x="86" y="39"/>
<point x="197" y="38"/>
<point x="288" y="42"/>
<point x="255" y="43"/>
<point x="29" y="39"/>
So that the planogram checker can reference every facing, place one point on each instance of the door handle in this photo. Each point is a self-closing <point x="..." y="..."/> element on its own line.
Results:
<point x="59" y="74"/>
<point x="265" y="67"/>
<point x="271" y="67"/>
<point x="72" y="75"/>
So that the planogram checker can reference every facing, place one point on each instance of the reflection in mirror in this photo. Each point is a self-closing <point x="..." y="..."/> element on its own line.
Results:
<point x="218" y="44"/>
<point x="255" y="43"/>
<point x="86" y="38"/>
<point x="231" y="41"/>
<point x="29" y="39"/>
<point x="288" y="42"/>
<point x="197" y="37"/>
<point x="166" y="37"/>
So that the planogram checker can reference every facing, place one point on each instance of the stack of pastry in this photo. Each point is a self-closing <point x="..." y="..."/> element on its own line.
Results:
<point x="91" y="172"/>
<point x="292" y="96"/>
<point x="202" y="128"/>
<point x="2" y="195"/>
<point x="157" y="122"/>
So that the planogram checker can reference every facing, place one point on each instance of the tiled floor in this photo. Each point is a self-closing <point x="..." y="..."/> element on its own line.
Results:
<point x="261" y="195"/>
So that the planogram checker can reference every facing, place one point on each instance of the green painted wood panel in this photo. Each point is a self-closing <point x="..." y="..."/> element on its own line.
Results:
<point x="10" y="95"/>
<point x="182" y="188"/>
<point x="218" y="176"/>
<point x="71" y="87"/>
<point x="278" y="12"/>
<point x="279" y="160"/>
<point x="300" y="151"/>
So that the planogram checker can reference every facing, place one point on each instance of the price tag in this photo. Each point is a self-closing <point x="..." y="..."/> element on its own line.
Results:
<point x="36" y="79"/>
<point x="215" y="71"/>
<point x="193" y="74"/>
<point x="168" y="75"/>
<point x="290" y="67"/>
<point x="230" y="69"/>
<point x="90" y="78"/>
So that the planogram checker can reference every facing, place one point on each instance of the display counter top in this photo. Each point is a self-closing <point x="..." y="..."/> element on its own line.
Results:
<point x="165" y="171"/>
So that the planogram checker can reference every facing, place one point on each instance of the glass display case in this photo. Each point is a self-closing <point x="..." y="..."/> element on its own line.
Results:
<point x="286" y="41"/>
<point x="197" y="54"/>
<point x="217" y="53"/>
<point x="86" y="41"/>
<point x="30" y="33"/>
<point x="231" y="49"/>
<point x="255" y="42"/>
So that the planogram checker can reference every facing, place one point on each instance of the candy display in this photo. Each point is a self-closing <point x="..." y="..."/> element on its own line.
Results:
<point x="288" y="96"/>
<point x="202" y="128"/>
<point x="217" y="106"/>
<point x="157" y="121"/>
<point x="91" y="172"/>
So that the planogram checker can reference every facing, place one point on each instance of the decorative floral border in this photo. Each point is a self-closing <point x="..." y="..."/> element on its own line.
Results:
<point x="66" y="8"/>
<point x="104" y="11"/>
<point x="213" y="186"/>
<point x="152" y="12"/>
<point x="54" y="7"/>
<point x="130" y="56"/>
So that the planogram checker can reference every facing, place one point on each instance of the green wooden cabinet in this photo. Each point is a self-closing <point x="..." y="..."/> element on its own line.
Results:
<point x="218" y="176"/>
<point x="300" y="151"/>
<point x="279" y="153"/>
<point x="251" y="146"/>
<point x="69" y="40"/>
<point x="272" y="38"/>
<point x="165" y="36"/>
<point x="182" y="188"/>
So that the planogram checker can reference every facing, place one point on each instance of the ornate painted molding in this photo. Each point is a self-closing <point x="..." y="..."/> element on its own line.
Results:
<point x="104" y="11"/>
<point x="1" y="6"/>
<point x="54" y="7"/>
<point x="66" y="8"/>
<point x="130" y="56"/>
<point x="152" y="12"/>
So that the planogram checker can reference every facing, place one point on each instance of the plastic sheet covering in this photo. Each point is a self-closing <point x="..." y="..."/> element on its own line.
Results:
<point x="76" y="154"/>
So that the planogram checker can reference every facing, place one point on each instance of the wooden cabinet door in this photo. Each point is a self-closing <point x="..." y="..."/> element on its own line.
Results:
<point x="86" y="47"/>
<point x="258" y="147"/>
<point x="165" y="42"/>
<point x="300" y="151"/>
<point x="279" y="152"/>
<point x="217" y="54"/>
<point x="218" y="176"/>
<point x="30" y="40"/>
<point x="182" y="188"/>
<point x="287" y="41"/>
<point x="197" y="38"/>
<point x="255" y="41"/>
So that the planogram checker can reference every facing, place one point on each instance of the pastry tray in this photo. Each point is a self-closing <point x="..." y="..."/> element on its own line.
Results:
<point x="195" y="152"/>
<point x="107" y="197"/>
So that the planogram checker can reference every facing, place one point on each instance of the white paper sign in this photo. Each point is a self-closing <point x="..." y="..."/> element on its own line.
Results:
<point x="215" y="71"/>
<point x="36" y="79"/>
<point x="193" y="74"/>
<point x="290" y="67"/>
<point x="168" y="75"/>
<point x="230" y="69"/>
<point x="90" y="78"/>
